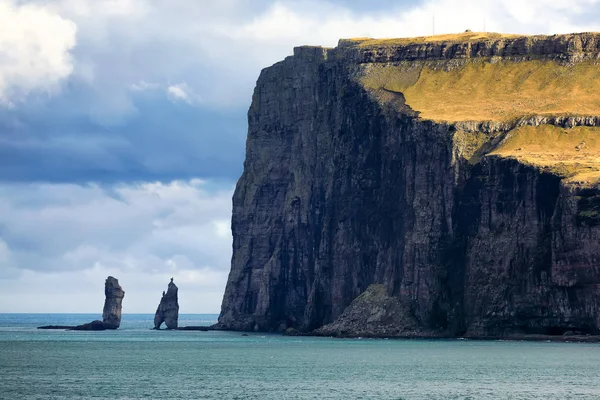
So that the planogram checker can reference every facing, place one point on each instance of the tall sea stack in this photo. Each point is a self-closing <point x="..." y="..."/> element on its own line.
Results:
<point x="168" y="308"/>
<point x="111" y="315"/>
<point x="456" y="173"/>
<point x="114" y="293"/>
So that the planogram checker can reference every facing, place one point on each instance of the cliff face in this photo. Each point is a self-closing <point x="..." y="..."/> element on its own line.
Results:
<point x="359" y="171"/>
<point x="168" y="308"/>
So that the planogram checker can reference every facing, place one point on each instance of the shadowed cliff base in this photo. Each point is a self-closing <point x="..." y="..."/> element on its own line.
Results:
<point x="459" y="174"/>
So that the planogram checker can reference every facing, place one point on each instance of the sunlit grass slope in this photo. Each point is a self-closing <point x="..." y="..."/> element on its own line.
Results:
<point x="499" y="89"/>
<point x="481" y="90"/>
<point x="571" y="153"/>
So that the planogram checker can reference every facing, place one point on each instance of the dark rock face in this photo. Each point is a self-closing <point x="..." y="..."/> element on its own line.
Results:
<point x="168" y="309"/>
<point x="114" y="293"/>
<point x="340" y="192"/>
<point x="561" y="46"/>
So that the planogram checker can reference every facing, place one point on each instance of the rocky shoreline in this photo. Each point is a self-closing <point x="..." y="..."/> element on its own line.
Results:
<point x="293" y="333"/>
<point x="510" y="338"/>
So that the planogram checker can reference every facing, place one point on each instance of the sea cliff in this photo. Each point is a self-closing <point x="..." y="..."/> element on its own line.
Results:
<point x="459" y="174"/>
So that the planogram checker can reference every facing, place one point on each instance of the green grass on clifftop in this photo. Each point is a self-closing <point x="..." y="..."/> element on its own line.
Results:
<point x="454" y="37"/>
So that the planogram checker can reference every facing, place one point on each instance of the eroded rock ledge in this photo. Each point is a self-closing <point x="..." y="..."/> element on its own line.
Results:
<point x="469" y="45"/>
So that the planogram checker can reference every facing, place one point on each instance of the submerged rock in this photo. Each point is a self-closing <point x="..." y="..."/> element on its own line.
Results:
<point x="168" y="309"/>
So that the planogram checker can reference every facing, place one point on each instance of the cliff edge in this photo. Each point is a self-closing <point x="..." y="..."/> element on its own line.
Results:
<point x="458" y="173"/>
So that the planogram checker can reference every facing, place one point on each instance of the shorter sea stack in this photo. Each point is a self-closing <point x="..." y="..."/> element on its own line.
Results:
<point x="168" y="309"/>
<point x="111" y="315"/>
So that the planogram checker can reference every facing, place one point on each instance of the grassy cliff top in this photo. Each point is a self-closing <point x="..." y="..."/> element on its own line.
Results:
<point x="488" y="90"/>
<point x="452" y="38"/>
<point x="476" y="76"/>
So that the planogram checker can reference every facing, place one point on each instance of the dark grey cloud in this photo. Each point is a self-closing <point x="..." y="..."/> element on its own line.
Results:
<point x="161" y="140"/>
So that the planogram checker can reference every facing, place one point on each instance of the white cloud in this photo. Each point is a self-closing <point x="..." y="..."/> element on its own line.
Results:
<point x="103" y="8"/>
<point x="68" y="237"/>
<point x="34" y="50"/>
<point x="181" y="92"/>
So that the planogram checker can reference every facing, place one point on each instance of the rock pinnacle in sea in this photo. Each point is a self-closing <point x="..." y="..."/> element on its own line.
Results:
<point x="114" y="293"/>
<point x="168" y="309"/>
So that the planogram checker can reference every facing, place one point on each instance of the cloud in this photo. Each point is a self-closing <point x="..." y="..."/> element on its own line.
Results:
<point x="181" y="92"/>
<point x="35" y="45"/>
<point x="103" y="8"/>
<point x="81" y="233"/>
<point x="162" y="141"/>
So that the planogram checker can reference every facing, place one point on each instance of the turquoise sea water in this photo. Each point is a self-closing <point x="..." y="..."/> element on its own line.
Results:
<point x="135" y="362"/>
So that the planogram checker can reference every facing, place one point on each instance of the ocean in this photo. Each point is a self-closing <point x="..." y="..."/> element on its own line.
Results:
<point x="136" y="362"/>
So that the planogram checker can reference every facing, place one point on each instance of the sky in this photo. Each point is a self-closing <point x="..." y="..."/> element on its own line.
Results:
<point x="123" y="126"/>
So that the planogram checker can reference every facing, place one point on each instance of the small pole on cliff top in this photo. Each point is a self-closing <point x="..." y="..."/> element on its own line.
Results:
<point x="433" y="24"/>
